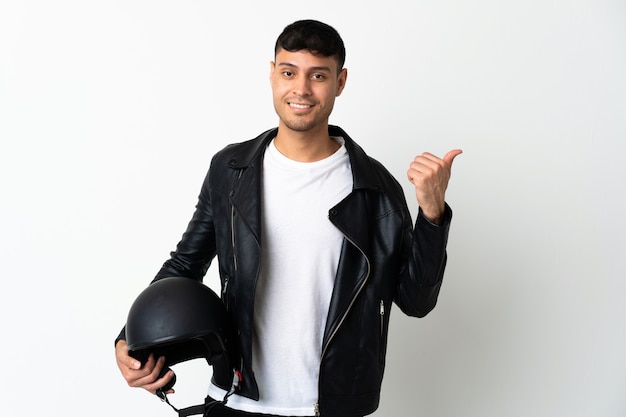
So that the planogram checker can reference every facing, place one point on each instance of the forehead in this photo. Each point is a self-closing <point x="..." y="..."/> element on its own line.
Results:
<point x="304" y="60"/>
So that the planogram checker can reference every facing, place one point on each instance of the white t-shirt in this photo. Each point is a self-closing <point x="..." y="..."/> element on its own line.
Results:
<point x="300" y="254"/>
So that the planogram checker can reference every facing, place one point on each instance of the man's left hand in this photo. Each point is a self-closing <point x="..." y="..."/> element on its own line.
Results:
<point x="430" y="175"/>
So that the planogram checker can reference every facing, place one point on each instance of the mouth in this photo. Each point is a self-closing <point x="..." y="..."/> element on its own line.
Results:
<point x="300" y="105"/>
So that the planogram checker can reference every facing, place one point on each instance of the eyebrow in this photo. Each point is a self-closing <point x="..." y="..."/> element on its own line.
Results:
<point x="290" y="65"/>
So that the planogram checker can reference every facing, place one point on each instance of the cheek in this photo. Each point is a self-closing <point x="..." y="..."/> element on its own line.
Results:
<point x="331" y="93"/>
<point x="278" y="89"/>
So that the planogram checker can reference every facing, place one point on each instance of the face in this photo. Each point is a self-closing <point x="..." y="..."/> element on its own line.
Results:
<point x="304" y="88"/>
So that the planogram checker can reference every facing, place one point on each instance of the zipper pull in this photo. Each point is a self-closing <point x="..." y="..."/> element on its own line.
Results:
<point x="382" y="317"/>
<point x="225" y="289"/>
<point x="316" y="406"/>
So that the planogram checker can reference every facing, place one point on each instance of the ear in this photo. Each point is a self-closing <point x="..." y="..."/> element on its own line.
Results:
<point x="272" y="69"/>
<point x="342" y="77"/>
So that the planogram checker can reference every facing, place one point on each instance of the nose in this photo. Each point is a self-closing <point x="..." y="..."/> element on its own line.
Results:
<point x="302" y="86"/>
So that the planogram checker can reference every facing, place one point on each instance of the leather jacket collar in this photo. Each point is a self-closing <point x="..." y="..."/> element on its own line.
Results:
<point x="364" y="175"/>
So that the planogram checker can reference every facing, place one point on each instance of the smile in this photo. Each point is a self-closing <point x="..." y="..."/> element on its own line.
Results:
<point x="300" y="106"/>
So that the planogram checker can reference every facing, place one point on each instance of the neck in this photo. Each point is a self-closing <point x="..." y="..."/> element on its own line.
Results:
<point x="307" y="146"/>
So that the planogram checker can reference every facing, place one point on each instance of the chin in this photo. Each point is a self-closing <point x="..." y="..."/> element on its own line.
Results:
<point x="299" y="126"/>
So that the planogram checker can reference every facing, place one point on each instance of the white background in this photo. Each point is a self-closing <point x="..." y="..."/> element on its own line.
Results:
<point x="111" y="110"/>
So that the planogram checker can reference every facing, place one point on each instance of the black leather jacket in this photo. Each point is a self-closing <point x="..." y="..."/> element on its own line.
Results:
<point x="383" y="260"/>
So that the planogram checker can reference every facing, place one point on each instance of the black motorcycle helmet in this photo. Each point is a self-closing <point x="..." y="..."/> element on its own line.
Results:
<point x="181" y="319"/>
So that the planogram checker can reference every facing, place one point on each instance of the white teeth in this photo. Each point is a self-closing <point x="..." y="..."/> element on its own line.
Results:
<point x="299" y="106"/>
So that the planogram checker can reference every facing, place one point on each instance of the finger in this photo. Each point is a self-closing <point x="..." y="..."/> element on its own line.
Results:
<point x="427" y="158"/>
<point x="425" y="165"/>
<point x="427" y="155"/>
<point x="159" y="382"/>
<point x="449" y="157"/>
<point x="148" y="374"/>
<point x="123" y="358"/>
<point x="162" y="381"/>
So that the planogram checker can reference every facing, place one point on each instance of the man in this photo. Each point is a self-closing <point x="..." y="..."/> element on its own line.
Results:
<point x="314" y="242"/>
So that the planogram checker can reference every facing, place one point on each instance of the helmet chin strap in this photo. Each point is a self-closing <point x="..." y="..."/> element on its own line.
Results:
<point x="237" y="378"/>
<point x="205" y="408"/>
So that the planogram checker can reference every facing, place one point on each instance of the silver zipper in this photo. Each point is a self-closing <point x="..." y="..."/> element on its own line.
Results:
<point x="343" y="318"/>
<point x="232" y="236"/>
<point x="232" y="226"/>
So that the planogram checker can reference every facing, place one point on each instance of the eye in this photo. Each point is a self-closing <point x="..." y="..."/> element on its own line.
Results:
<point x="318" y="76"/>
<point x="287" y="74"/>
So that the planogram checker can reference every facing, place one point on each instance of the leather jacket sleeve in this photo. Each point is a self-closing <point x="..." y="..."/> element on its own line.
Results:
<point x="197" y="247"/>
<point x="425" y="262"/>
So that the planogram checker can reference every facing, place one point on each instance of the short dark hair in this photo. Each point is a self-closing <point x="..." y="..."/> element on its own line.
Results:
<point x="314" y="36"/>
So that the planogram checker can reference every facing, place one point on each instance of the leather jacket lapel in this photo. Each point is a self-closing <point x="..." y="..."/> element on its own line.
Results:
<point x="353" y="270"/>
